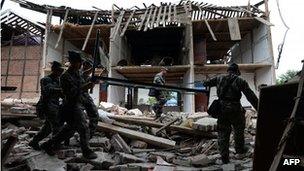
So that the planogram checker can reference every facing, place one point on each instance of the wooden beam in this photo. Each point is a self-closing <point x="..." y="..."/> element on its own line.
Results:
<point x="164" y="16"/>
<point x="174" y="14"/>
<point x="154" y="140"/>
<point x="207" y="24"/>
<point x="117" y="25"/>
<point x="142" y="20"/>
<point x="166" y="126"/>
<point x="169" y="13"/>
<point x="46" y="37"/>
<point x="89" y="33"/>
<point x="127" y="24"/>
<point x="262" y="20"/>
<point x="158" y="16"/>
<point x="62" y="27"/>
<point x="234" y="29"/>
<point x="148" y="19"/>
<point x="180" y="129"/>
<point x="153" y="18"/>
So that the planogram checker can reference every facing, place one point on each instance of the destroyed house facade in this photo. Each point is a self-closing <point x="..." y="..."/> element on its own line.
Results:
<point x="195" y="41"/>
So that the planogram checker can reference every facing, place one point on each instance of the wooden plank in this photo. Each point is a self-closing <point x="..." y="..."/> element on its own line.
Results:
<point x="112" y="14"/>
<point x="119" y="144"/>
<point x="234" y="29"/>
<point x="117" y="25"/>
<point x="164" y="17"/>
<point x="153" y="18"/>
<point x="158" y="16"/>
<point x="62" y="27"/>
<point x="126" y="25"/>
<point x="186" y="9"/>
<point x="154" y="140"/>
<point x="169" y="13"/>
<point x="262" y="20"/>
<point x="166" y="126"/>
<point x="148" y="19"/>
<point x="181" y="129"/>
<point x="142" y="20"/>
<point x="174" y="13"/>
<point x="208" y="26"/>
<point x="46" y="36"/>
<point x="90" y="31"/>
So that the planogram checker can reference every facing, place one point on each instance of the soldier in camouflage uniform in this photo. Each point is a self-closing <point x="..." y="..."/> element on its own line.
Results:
<point x="73" y="86"/>
<point x="232" y="112"/>
<point x="88" y="102"/>
<point x="159" y="94"/>
<point x="50" y="94"/>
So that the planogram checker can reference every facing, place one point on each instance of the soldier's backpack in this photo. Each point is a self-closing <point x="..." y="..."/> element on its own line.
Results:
<point x="214" y="109"/>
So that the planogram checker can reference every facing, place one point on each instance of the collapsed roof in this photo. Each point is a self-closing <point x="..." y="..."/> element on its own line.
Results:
<point x="208" y="20"/>
<point x="13" y="22"/>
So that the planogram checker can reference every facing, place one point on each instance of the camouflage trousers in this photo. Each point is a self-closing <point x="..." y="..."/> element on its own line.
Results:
<point x="92" y="113"/>
<point x="75" y="122"/>
<point x="159" y="105"/>
<point x="232" y="117"/>
<point x="52" y="124"/>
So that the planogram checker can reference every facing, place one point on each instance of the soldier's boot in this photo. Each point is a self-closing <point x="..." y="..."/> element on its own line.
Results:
<point x="34" y="145"/>
<point x="89" y="154"/>
<point x="242" y="154"/>
<point x="48" y="148"/>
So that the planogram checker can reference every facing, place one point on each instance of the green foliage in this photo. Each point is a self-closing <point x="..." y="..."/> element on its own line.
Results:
<point x="151" y="100"/>
<point x="286" y="76"/>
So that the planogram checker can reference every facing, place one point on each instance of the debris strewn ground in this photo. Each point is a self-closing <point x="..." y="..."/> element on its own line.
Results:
<point x="126" y="140"/>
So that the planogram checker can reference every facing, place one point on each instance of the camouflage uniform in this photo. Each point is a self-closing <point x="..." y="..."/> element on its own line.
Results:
<point x="232" y="112"/>
<point x="50" y="94"/>
<point x="71" y="83"/>
<point x="90" y="108"/>
<point x="159" y="95"/>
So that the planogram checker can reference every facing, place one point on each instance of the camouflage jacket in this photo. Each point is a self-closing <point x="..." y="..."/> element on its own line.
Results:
<point x="71" y="83"/>
<point x="50" y="91"/>
<point x="234" y="91"/>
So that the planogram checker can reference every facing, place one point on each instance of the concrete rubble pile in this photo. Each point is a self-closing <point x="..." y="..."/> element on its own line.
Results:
<point x="130" y="140"/>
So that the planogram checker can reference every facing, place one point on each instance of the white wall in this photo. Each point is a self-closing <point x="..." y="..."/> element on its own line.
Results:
<point x="253" y="48"/>
<point x="116" y="94"/>
<point x="56" y="53"/>
<point x="119" y="49"/>
<point x="242" y="51"/>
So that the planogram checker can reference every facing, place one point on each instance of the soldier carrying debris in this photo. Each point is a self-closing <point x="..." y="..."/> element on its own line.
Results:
<point x="158" y="94"/>
<point x="73" y="85"/>
<point x="49" y="103"/>
<point x="229" y="90"/>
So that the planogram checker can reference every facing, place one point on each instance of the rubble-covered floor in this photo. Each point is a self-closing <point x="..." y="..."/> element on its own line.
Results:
<point x="119" y="151"/>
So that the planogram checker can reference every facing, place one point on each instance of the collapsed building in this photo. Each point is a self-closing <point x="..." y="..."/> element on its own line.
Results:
<point x="194" y="40"/>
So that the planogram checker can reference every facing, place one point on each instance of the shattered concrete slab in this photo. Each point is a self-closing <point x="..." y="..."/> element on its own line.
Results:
<point x="43" y="161"/>
<point x="205" y="124"/>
